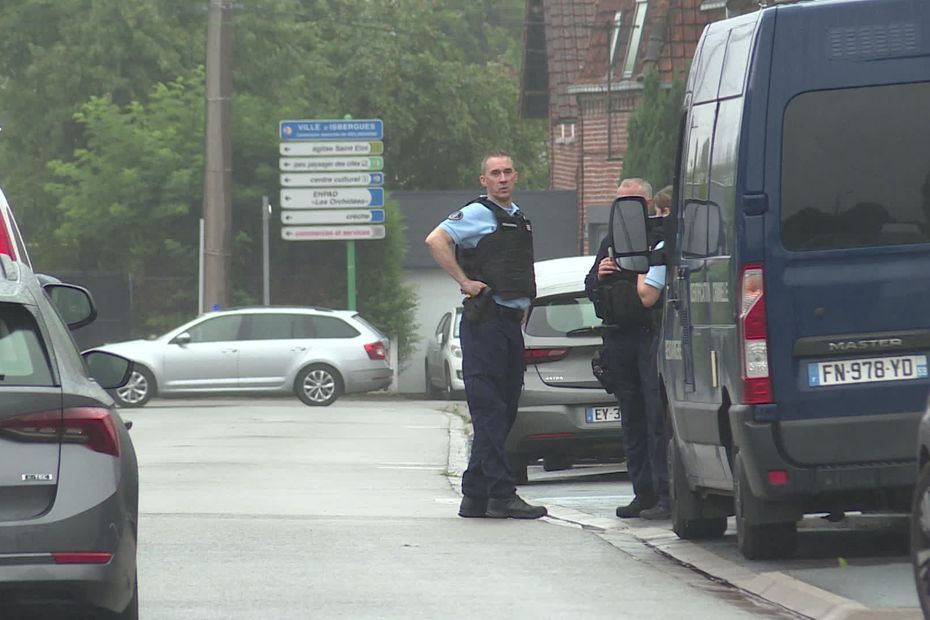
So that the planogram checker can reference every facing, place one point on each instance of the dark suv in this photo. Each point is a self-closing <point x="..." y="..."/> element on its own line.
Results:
<point x="68" y="473"/>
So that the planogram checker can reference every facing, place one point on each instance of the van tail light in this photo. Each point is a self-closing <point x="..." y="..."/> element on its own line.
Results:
<point x="538" y="356"/>
<point x="754" y="348"/>
<point x="92" y="426"/>
<point x="375" y="350"/>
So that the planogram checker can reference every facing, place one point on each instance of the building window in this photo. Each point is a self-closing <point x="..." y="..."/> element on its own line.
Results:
<point x="615" y="36"/>
<point x="636" y="35"/>
<point x="565" y="134"/>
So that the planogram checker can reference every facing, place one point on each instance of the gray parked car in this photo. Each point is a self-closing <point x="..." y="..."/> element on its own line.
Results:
<point x="565" y="415"/>
<point x="315" y="353"/>
<point x="69" y="483"/>
<point x="920" y="516"/>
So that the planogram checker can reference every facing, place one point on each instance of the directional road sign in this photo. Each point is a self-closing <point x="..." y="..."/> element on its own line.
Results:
<point x="314" y="149"/>
<point x="331" y="233"/>
<point x="333" y="216"/>
<point x="355" y="129"/>
<point x="335" y="198"/>
<point x="331" y="179"/>
<point x="331" y="164"/>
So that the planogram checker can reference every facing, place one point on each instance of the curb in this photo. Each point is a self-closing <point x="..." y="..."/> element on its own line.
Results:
<point x="773" y="587"/>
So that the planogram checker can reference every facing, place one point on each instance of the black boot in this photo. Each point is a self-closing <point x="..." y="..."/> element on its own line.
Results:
<point x="639" y="504"/>
<point x="473" y="506"/>
<point x="514" y="507"/>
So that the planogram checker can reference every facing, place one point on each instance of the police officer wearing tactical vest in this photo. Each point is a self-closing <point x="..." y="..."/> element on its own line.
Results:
<point x="487" y="247"/>
<point x="630" y="306"/>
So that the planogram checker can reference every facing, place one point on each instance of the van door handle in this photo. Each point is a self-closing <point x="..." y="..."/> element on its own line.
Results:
<point x="298" y="349"/>
<point x="229" y="351"/>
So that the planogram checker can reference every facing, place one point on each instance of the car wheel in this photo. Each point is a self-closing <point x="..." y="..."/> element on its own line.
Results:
<point x="431" y="392"/>
<point x="758" y="541"/>
<point x="138" y="390"/>
<point x="132" y="609"/>
<point x="686" y="505"/>
<point x="318" y="385"/>
<point x="518" y="464"/>
<point x="920" y="538"/>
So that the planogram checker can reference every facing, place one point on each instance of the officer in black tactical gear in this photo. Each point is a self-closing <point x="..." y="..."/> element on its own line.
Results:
<point x="630" y="306"/>
<point x="487" y="247"/>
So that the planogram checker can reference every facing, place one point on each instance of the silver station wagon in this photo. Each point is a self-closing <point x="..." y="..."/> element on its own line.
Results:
<point x="315" y="353"/>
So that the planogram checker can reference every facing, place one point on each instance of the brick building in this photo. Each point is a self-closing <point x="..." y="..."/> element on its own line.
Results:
<point x="583" y="66"/>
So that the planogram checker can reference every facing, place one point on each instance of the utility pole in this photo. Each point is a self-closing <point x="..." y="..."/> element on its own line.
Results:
<point x="217" y="181"/>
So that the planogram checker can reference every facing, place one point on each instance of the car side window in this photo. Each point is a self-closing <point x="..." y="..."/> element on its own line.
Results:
<point x="218" y="329"/>
<point x="23" y="360"/>
<point x="304" y="326"/>
<point x="270" y="327"/>
<point x="332" y="327"/>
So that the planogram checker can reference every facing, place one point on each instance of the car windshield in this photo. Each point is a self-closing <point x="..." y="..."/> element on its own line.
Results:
<point x="458" y="323"/>
<point x="565" y="315"/>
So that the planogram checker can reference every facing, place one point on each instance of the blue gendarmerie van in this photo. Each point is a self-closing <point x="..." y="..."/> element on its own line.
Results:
<point x="793" y="355"/>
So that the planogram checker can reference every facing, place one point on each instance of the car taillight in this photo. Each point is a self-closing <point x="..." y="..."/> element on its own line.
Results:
<point x="6" y="242"/>
<point x="757" y="386"/>
<point x="541" y="355"/>
<point x="375" y="350"/>
<point x="82" y="558"/>
<point x="92" y="426"/>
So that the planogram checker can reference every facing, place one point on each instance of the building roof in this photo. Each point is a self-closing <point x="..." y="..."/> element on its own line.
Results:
<point x="554" y="43"/>
<point x="553" y="214"/>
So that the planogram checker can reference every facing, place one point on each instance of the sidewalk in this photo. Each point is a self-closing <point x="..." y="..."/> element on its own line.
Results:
<point x="788" y="586"/>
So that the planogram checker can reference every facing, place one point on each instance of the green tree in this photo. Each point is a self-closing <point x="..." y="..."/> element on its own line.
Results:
<point x="55" y="55"/>
<point x="101" y="148"/>
<point x="652" y="134"/>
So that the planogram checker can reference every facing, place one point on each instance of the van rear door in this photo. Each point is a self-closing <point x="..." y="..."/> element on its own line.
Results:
<point x="848" y="229"/>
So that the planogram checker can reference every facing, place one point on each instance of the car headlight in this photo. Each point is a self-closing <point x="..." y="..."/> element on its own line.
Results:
<point x="456" y="350"/>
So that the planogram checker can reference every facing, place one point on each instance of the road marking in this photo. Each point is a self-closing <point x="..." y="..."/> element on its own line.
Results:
<point x="413" y="467"/>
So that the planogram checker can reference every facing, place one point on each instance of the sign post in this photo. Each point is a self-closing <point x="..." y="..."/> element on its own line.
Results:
<point x="331" y="178"/>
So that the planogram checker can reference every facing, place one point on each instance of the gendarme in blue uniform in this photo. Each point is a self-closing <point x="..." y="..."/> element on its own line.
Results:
<point x="492" y="353"/>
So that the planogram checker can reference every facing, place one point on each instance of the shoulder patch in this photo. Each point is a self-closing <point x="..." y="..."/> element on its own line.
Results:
<point x="455" y="216"/>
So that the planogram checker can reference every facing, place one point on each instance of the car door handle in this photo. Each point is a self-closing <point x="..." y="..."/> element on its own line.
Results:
<point x="229" y="351"/>
<point x="298" y="349"/>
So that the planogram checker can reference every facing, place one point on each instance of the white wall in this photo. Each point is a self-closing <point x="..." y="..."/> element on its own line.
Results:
<point x="437" y="293"/>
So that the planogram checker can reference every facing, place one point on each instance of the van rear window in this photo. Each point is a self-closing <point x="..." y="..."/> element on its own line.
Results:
<point x="856" y="168"/>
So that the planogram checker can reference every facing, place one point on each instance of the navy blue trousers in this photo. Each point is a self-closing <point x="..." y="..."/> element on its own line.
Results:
<point x="492" y="366"/>
<point x="633" y="367"/>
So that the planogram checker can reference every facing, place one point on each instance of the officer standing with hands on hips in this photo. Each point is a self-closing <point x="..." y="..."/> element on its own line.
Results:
<point x="630" y="306"/>
<point x="487" y="247"/>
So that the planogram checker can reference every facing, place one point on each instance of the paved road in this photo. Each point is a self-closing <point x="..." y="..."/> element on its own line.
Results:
<point x="270" y="509"/>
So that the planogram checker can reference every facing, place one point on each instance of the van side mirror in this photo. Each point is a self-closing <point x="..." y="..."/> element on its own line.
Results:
<point x="74" y="304"/>
<point x="629" y="239"/>
<point x="703" y="229"/>
<point x="108" y="370"/>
